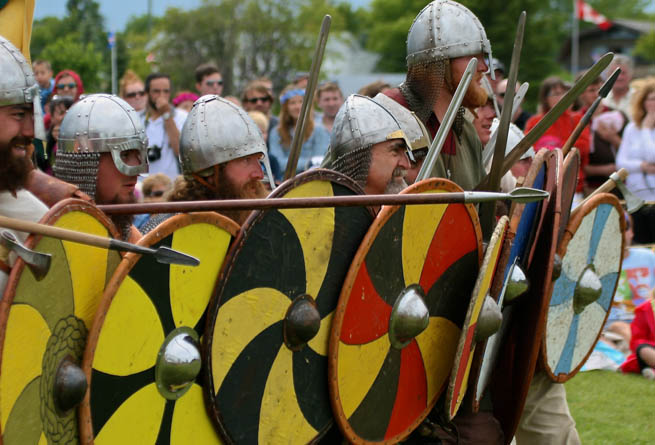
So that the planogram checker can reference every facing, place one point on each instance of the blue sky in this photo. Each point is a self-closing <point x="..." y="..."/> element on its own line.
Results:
<point x="118" y="12"/>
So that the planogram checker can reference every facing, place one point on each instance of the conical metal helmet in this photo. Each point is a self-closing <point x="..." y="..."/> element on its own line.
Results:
<point x="445" y="29"/>
<point x="414" y="129"/>
<point x="18" y="85"/>
<point x="104" y="123"/>
<point x="217" y="131"/>
<point x="362" y="122"/>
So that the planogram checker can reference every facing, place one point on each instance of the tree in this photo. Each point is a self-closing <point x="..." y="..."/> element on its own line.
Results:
<point x="69" y="52"/>
<point x="645" y="47"/>
<point x="77" y="41"/>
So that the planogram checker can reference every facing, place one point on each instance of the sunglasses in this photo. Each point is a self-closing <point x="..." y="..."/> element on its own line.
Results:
<point x="63" y="86"/>
<point x="211" y="83"/>
<point x="157" y="193"/>
<point x="254" y="100"/>
<point x="134" y="94"/>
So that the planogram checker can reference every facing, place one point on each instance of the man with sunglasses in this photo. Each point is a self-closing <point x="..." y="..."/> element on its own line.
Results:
<point x="209" y="80"/>
<point x="163" y="124"/>
<point x="257" y="96"/>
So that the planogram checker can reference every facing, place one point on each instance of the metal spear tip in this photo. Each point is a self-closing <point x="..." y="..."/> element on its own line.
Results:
<point x="525" y="195"/>
<point x="169" y="256"/>
<point x="609" y="83"/>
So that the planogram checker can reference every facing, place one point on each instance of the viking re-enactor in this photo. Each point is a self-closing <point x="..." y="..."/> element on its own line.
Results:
<point x="102" y="148"/>
<point x="220" y="152"/>
<point x="20" y="110"/>
<point x="442" y="40"/>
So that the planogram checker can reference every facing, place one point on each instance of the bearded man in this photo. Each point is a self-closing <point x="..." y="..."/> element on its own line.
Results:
<point x="443" y="38"/>
<point x="20" y="109"/>
<point x="368" y="145"/>
<point x="221" y="152"/>
<point x="102" y="148"/>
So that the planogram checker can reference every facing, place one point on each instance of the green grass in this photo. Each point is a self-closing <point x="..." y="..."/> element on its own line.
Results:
<point x="612" y="407"/>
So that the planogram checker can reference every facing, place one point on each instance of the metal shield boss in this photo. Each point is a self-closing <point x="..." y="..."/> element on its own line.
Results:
<point x="267" y="336"/>
<point x="592" y="252"/>
<point x="401" y="314"/>
<point x="44" y="320"/>
<point x="143" y="359"/>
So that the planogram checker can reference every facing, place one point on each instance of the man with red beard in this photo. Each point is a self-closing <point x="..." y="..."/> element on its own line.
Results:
<point x="444" y="37"/>
<point x="20" y="109"/>
<point x="102" y="149"/>
<point x="221" y="154"/>
<point x="368" y="145"/>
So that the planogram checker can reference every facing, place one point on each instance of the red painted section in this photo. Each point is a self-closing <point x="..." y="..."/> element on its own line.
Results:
<point x="412" y="391"/>
<point x="367" y="314"/>
<point x="463" y="364"/>
<point x="454" y="238"/>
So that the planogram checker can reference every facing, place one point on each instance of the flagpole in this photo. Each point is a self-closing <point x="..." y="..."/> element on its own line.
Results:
<point x="575" y="36"/>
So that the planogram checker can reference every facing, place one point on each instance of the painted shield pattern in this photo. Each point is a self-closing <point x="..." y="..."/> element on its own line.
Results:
<point x="143" y="357"/>
<point x="517" y="360"/>
<point x="592" y="254"/>
<point x="400" y="316"/>
<point x="459" y="376"/>
<point x="525" y="219"/>
<point x="270" y="320"/>
<point x="44" y="325"/>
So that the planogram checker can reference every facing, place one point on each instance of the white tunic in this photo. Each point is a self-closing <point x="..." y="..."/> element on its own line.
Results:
<point x="24" y="206"/>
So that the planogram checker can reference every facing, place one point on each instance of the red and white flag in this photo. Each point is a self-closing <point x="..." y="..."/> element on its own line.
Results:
<point x="588" y="14"/>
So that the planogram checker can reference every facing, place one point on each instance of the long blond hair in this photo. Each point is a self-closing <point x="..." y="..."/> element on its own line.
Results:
<point x="287" y="122"/>
<point x="644" y="88"/>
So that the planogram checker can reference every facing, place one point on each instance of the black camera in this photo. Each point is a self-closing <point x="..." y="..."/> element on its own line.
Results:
<point x="154" y="153"/>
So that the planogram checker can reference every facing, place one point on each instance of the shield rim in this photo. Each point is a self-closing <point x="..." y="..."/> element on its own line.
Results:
<point x="160" y="232"/>
<point x="542" y="158"/>
<point x="571" y="165"/>
<point x="498" y="236"/>
<point x="383" y="216"/>
<point x="569" y="233"/>
<point x="53" y="214"/>
<point x="321" y="174"/>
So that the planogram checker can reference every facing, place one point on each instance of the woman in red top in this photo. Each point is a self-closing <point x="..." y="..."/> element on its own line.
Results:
<point x="551" y="91"/>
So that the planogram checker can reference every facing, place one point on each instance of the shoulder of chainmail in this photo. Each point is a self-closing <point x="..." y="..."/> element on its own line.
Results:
<point x="154" y="221"/>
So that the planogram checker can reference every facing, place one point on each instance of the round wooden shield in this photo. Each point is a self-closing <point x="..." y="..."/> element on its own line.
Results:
<point x="466" y="347"/>
<point x="525" y="221"/>
<point x="142" y="359"/>
<point x="518" y="356"/>
<point x="569" y="183"/>
<point x="44" y="322"/>
<point x="592" y="253"/>
<point x="382" y="388"/>
<point x="267" y="337"/>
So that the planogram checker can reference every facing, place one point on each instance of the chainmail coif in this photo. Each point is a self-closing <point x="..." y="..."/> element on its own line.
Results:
<point x="354" y="164"/>
<point x="80" y="169"/>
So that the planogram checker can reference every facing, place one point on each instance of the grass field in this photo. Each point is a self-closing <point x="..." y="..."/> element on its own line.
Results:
<point x="612" y="407"/>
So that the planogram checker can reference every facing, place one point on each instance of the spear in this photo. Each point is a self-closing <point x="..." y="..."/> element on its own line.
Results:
<point x="308" y="99"/>
<point x="449" y="118"/>
<point x="602" y="93"/>
<point x="161" y="254"/>
<point x="551" y="116"/>
<point x="522" y="195"/>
